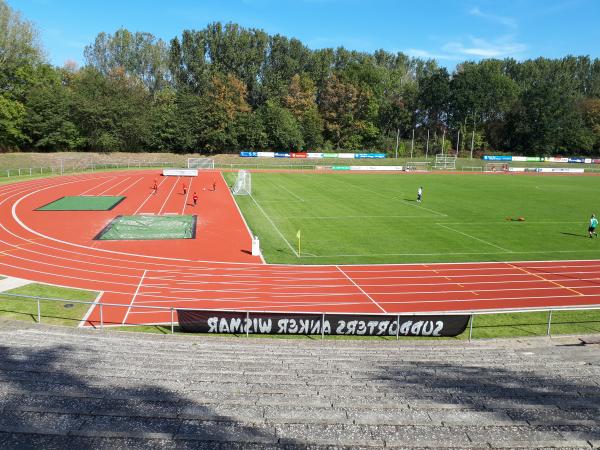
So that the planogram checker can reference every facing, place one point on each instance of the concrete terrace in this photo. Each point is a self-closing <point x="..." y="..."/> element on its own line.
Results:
<point x="65" y="388"/>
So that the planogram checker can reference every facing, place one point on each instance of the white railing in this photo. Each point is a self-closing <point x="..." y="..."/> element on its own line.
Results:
<point x="172" y="322"/>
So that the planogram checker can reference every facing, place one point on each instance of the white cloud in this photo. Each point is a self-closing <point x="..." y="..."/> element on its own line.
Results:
<point x="502" y="20"/>
<point x="499" y="48"/>
<point x="425" y="54"/>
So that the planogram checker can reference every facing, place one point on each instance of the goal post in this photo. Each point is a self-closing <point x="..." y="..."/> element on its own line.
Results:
<point x="201" y="163"/>
<point x="243" y="184"/>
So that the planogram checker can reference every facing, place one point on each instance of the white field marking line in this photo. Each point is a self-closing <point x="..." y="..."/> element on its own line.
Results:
<point x="149" y="197"/>
<point x="187" y="194"/>
<point x="134" y="296"/>
<point x="290" y="192"/>
<point x="262" y="304"/>
<point x="90" y="309"/>
<point x="282" y="201"/>
<point x="240" y="213"/>
<point x="396" y="198"/>
<point x="354" y="217"/>
<point x="478" y="299"/>
<point x="201" y="277"/>
<point x="62" y="275"/>
<point x="130" y="186"/>
<point x="168" y="196"/>
<point x="375" y="255"/>
<point x="508" y="222"/>
<point x="275" y="226"/>
<point x="544" y="279"/>
<point x="473" y="237"/>
<point x="425" y="292"/>
<point x="97" y="186"/>
<point x="114" y="185"/>
<point x="360" y="289"/>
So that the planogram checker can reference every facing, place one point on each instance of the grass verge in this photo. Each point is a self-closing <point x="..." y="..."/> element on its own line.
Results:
<point x="52" y="312"/>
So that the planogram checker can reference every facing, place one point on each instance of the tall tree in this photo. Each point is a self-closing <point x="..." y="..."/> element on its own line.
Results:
<point x="138" y="54"/>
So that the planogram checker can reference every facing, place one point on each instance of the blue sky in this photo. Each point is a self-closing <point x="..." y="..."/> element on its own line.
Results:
<point x="450" y="31"/>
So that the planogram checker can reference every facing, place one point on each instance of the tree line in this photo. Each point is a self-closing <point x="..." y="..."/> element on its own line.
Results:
<point x="226" y="88"/>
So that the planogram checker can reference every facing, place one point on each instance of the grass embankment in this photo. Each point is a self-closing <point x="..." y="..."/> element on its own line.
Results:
<point x="52" y="312"/>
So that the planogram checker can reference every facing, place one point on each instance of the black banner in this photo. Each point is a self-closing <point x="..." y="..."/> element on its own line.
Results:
<point x="240" y="322"/>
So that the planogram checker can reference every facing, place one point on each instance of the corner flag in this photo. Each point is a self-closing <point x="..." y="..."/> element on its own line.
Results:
<point x="298" y="236"/>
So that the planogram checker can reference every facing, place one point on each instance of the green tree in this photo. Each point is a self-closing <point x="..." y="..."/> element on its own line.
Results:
<point x="49" y="102"/>
<point x="282" y="128"/>
<point x="138" y="54"/>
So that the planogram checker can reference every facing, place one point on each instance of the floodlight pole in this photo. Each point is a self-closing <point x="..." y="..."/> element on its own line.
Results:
<point x="473" y="137"/>
<point x="397" y="141"/>
<point x="412" y="144"/>
<point x="427" y="146"/>
<point x="443" y="140"/>
<point x="457" y="142"/>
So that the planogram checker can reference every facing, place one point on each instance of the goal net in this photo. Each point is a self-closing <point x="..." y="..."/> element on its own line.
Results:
<point x="444" y="162"/>
<point x="201" y="163"/>
<point x="243" y="184"/>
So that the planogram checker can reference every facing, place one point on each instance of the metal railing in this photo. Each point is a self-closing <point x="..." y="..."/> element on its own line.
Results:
<point x="78" y="166"/>
<point x="171" y="309"/>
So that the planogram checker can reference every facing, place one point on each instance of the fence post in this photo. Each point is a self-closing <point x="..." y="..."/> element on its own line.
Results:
<point x="247" y="323"/>
<point x="101" y="318"/>
<point x="398" y="327"/>
<point x="471" y="327"/>
<point x="549" y="323"/>
<point x="172" y="326"/>
<point x="39" y="311"/>
<point x="323" y="327"/>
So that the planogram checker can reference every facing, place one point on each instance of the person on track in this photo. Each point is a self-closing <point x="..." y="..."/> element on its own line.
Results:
<point x="420" y="194"/>
<point x="155" y="187"/>
<point x="184" y="188"/>
<point x="593" y="225"/>
<point x="214" y="185"/>
<point x="195" y="199"/>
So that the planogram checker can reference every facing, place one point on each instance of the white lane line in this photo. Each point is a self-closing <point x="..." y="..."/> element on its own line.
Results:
<point x="168" y="196"/>
<point x="275" y="227"/>
<point x="290" y="192"/>
<point x="89" y="311"/>
<point x="149" y="197"/>
<point x="114" y="185"/>
<point x="134" y="296"/>
<point x="473" y="237"/>
<point x="130" y="186"/>
<point x="187" y="194"/>
<point x="360" y="289"/>
<point x="97" y="186"/>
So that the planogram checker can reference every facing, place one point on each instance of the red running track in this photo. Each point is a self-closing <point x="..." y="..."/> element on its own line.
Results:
<point x="216" y="270"/>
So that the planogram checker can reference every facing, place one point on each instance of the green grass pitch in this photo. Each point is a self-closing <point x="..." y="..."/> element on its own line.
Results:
<point x="83" y="203"/>
<point x="374" y="218"/>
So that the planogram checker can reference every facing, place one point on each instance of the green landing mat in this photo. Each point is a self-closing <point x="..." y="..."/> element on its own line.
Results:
<point x="83" y="203"/>
<point x="149" y="227"/>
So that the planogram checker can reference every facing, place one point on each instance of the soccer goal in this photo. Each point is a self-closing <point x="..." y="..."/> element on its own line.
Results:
<point x="243" y="184"/>
<point x="445" y="162"/>
<point x="201" y="163"/>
